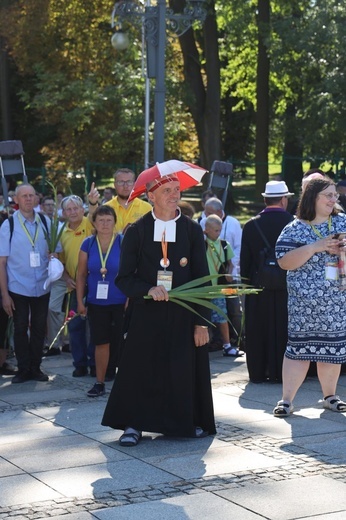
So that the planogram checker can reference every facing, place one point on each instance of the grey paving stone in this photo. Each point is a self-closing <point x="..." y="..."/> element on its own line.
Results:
<point x="63" y="452"/>
<point x="74" y="516"/>
<point x="94" y="479"/>
<point x="79" y="417"/>
<point x="291" y="499"/>
<point x="202" y="505"/>
<point x="21" y="489"/>
<point x="40" y="430"/>
<point x="291" y="427"/>
<point x="214" y="461"/>
<point x="7" y="469"/>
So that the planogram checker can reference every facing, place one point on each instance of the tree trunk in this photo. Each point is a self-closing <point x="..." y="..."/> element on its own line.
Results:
<point x="6" y="119"/>
<point x="262" y="97"/>
<point x="203" y="98"/>
<point x="293" y="151"/>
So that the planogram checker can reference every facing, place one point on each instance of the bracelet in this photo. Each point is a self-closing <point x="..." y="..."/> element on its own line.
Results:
<point x="92" y="203"/>
<point x="202" y="326"/>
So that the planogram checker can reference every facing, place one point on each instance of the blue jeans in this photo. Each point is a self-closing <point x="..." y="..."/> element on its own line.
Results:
<point x="82" y="349"/>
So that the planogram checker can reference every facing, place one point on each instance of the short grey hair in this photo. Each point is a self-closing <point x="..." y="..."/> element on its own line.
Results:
<point x="77" y="201"/>
<point x="214" y="203"/>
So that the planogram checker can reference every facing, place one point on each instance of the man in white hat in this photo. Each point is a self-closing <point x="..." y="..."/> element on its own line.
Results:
<point x="266" y="312"/>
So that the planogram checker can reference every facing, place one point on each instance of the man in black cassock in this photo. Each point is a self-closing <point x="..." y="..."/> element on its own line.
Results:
<point x="265" y="312"/>
<point x="163" y="381"/>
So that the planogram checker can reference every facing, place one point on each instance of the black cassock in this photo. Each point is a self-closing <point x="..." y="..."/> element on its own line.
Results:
<point x="266" y="312"/>
<point x="163" y="381"/>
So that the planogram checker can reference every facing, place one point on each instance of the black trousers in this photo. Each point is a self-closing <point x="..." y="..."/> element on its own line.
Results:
<point x="28" y="346"/>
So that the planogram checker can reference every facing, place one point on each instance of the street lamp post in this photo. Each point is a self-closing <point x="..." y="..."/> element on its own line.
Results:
<point x="153" y="20"/>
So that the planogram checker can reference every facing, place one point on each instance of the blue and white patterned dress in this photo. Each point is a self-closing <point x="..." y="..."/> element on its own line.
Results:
<point x="316" y="306"/>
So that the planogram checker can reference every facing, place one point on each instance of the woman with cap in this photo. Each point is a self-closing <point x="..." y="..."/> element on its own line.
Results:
<point x="309" y="249"/>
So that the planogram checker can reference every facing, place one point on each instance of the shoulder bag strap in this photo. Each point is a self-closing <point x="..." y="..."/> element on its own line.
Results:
<point x="261" y="232"/>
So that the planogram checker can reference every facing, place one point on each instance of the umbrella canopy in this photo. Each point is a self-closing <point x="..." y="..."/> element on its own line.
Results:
<point x="188" y="174"/>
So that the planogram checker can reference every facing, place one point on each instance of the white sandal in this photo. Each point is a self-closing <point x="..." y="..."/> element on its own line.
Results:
<point x="334" y="403"/>
<point x="283" y="409"/>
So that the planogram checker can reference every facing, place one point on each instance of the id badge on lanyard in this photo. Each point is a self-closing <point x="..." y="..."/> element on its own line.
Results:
<point x="35" y="260"/>
<point x="102" y="290"/>
<point x="165" y="278"/>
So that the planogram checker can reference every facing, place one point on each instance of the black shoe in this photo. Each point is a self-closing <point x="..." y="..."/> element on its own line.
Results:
<point x="21" y="376"/>
<point x="65" y="348"/>
<point x="54" y="351"/>
<point x="7" y="370"/>
<point x="80" y="372"/>
<point x="38" y="375"/>
<point x="97" y="390"/>
<point x="93" y="371"/>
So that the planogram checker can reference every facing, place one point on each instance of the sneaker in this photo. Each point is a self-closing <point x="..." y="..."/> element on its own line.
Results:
<point x="97" y="390"/>
<point x="65" y="348"/>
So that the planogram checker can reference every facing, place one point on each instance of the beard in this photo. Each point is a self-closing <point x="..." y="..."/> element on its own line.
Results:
<point x="123" y="197"/>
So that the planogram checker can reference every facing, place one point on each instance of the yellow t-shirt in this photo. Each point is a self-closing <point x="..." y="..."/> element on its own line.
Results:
<point x="71" y="240"/>
<point x="136" y="209"/>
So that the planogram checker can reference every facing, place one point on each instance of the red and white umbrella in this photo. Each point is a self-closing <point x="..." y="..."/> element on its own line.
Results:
<point x="188" y="174"/>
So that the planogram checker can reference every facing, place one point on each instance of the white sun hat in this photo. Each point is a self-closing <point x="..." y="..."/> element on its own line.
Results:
<point x="55" y="270"/>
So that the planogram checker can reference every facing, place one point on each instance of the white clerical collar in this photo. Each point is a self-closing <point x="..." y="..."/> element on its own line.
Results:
<point x="165" y="226"/>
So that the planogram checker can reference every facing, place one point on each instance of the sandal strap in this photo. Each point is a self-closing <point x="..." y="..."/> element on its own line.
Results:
<point x="336" y="403"/>
<point x="283" y="408"/>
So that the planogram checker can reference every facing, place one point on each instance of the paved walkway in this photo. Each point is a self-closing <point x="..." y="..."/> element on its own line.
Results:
<point x="58" y="462"/>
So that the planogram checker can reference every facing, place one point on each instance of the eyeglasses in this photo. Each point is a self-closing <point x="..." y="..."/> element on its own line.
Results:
<point x="124" y="183"/>
<point x="331" y="196"/>
<point x="77" y="200"/>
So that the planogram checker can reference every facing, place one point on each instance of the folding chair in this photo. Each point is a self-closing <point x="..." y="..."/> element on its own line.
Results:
<point x="11" y="163"/>
<point x="221" y="173"/>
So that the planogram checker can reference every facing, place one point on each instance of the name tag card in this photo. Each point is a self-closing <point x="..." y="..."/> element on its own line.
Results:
<point x="35" y="260"/>
<point x="165" y="278"/>
<point x="102" y="290"/>
<point x="332" y="272"/>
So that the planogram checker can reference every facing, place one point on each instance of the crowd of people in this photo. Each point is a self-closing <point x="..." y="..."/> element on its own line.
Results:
<point x="117" y="250"/>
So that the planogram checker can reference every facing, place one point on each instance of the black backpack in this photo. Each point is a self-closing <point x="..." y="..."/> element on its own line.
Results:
<point x="269" y="274"/>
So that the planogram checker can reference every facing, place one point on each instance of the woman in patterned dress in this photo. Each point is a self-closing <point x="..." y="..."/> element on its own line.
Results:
<point x="308" y="248"/>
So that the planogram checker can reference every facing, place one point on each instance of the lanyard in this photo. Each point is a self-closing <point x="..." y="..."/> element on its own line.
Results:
<point x="164" y="245"/>
<point x="32" y="242"/>
<point x="315" y="230"/>
<point x="103" y="259"/>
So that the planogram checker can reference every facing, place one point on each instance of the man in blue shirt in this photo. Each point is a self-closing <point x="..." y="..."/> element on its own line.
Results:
<point x="23" y="271"/>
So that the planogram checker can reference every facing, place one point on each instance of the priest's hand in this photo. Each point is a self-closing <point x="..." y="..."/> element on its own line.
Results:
<point x="158" y="293"/>
<point x="201" y="335"/>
